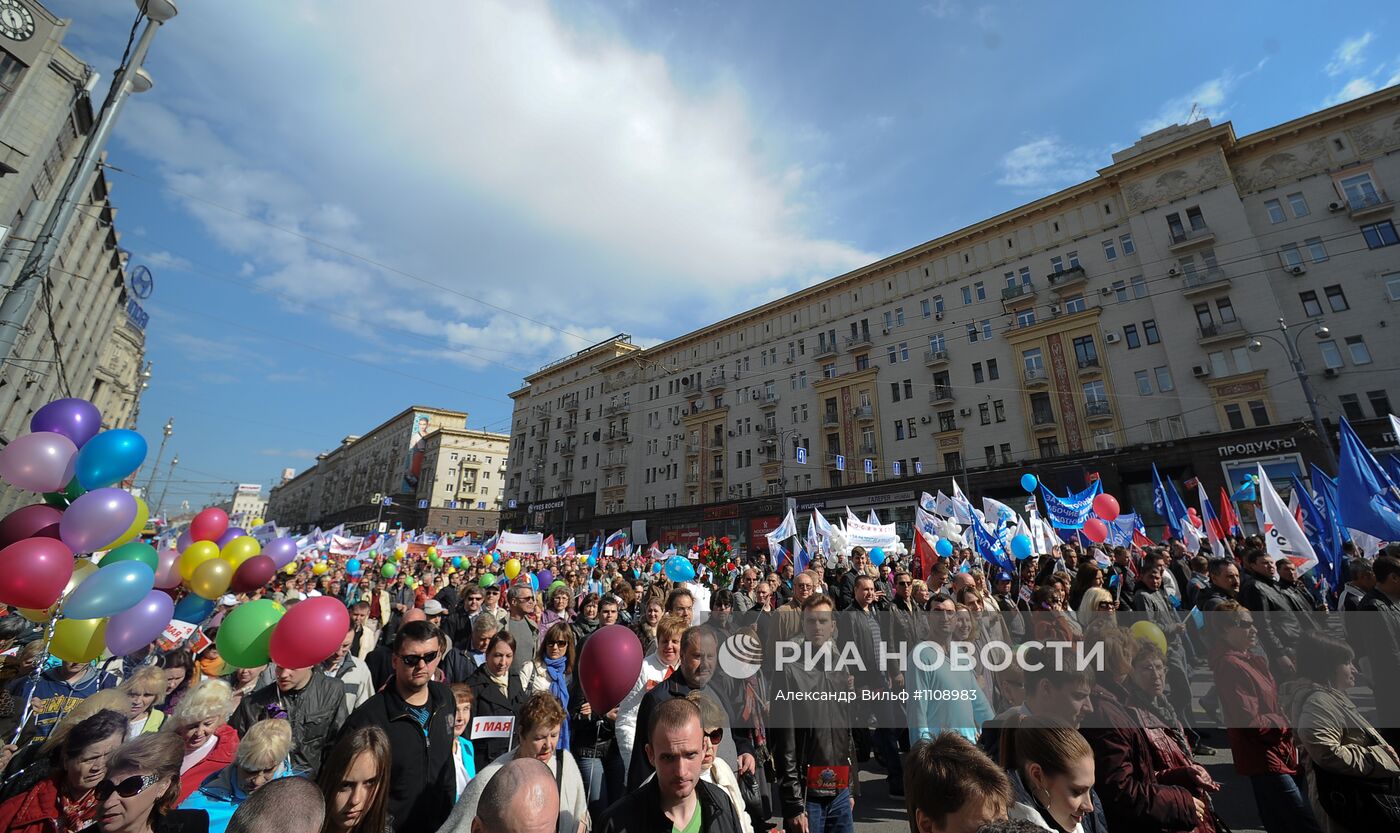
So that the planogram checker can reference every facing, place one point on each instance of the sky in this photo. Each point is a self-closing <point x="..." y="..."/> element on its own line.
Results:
<point x="353" y="207"/>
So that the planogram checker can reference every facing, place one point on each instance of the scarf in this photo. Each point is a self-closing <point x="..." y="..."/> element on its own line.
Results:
<point x="559" y="687"/>
<point x="502" y="682"/>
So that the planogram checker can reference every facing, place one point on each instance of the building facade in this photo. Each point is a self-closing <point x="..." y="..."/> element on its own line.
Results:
<point x="246" y="506"/>
<point x="422" y="469"/>
<point x="1131" y="319"/>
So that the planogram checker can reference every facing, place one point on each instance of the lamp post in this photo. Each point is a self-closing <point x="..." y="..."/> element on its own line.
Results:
<point x="1290" y="346"/>
<point x="778" y="440"/>
<point x="167" y="431"/>
<point x="160" y="504"/>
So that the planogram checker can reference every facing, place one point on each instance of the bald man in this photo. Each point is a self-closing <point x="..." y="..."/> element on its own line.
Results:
<point x="520" y="798"/>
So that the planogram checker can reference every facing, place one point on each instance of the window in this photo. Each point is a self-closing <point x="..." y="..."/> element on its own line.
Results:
<point x="971" y="333"/>
<point x="1316" y="251"/>
<point x="1127" y="241"/>
<point x="1275" y="209"/>
<point x="1351" y="406"/>
<point x="926" y="308"/>
<point x="1130" y="335"/>
<point x="1336" y="299"/>
<point x="1139" y="286"/>
<point x="908" y="388"/>
<point x="911" y="429"/>
<point x="904" y="351"/>
<point x="1298" y="204"/>
<point x="952" y="460"/>
<point x="998" y="410"/>
<point x="889" y="320"/>
<point x="967" y="295"/>
<point x="984" y="413"/>
<point x="1392" y="286"/>
<point x="1149" y="331"/>
<point x="898" y="430"/>
<point x="829" y="370"/>
<point x="1311" y="307"/>
<point x="1073" y="258"/>
<point x="1164" y="378"/>
<point x="1110" y="249"/>
<point x="862" y="361"/>
<point x="987" y="328"/>
<point x="1010" y="280"/>
<point x="1380" y="403"/>
<point x="1095" y="391"/>
<point x="1058" y="264"/>
<point x="1048" y="446"/>
<point x="1242" y="361"/>
<point x="1025" y="318"/>
<point x="1258" y="412"/>
<point x="1356" y="345"/>
<point x="1195" y="218"/>
<point x="1218" y="366"/>
<point x="1120" y="291"/>
<point x="1331" y="356"/>
<point x="892" y="354"/>
<point x="1075" y="304"/>
<point x="1290" y="255"/>
<point x="977" y="373"/>
<point x="1234" y="416"/>
<point x="1086" y="353"/>
<point x="992" y="373"/>
<point x="1033" y="360"/>
<point x="937" y="343"/>
<point x="1225" y="310"/>
<point x="990" y="451"/>
<point x="1380" y="234"/>
<point x="899" y="316"/>
<point x="946" y="421"/>
<point x="981" y="290"/>
<point x="894" y="393"/>
<point x="938" y="303"/>
<point x="1025" y="276"/>
<point x="1360" y="191"/>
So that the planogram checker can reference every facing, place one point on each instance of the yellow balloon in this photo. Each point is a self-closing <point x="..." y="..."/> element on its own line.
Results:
<point x="290" y="569"/>
<point x="487" y="559"/>
<point x="256" y="522"/>
<point x="512" y="568"/>
<point x="82" y="568"/>
<point x="1149" y="632"/>
<point x="143" y="514"/>
<point x="211" y="579"/>
<point x="79" y="640"/>
<point x="320" y="568"/>
<point x="194" y="555"/>
<point x="240" y="549"/>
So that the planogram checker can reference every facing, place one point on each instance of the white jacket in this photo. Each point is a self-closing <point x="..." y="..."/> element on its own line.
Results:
<point x="653" y="672"/>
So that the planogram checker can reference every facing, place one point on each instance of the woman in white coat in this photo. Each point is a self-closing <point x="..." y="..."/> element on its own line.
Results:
<point x="655" y="668"/>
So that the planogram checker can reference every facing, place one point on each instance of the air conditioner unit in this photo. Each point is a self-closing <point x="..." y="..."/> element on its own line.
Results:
<point x="1111" y="338"/>
<point x="1330" y="373"/>
<point x="938" y="316"/>
<point x="1054" y="309"/>
<point x="1106" y="291"/>
<point x="1200" y="371"/>
<point x="967" y="412"/>
<point x="926" y="419"/>
<point x="1172" y="272"/>
<point x="885" y="331"/>
<point x="1336" y="206"/>
<point x="788" y="360"/>
<point x="1296" y="270"/>
<point x="731" y="433"/>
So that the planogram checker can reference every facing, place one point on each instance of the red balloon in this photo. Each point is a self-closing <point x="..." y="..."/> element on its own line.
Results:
<point x="1095" y="530"/>
<point x="209" y="525"/>
<point x="253" y="573"/>
<point x="609" y="666"/>
<point x="34" y="572"/>
<point x="37" y="521"/>
<point x="312" y="631"/>
<point x="1106" y="506"/>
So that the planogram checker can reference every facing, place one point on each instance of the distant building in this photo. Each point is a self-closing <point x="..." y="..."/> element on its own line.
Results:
<point x="246" y="507"/>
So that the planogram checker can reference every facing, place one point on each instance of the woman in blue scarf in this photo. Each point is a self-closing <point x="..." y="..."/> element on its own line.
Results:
<point x="557" y="656"/>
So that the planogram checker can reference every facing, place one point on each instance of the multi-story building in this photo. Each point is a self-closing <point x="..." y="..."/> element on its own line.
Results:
<point x="83" y="335"/>
<point x="422" y="469"/>
<point x="246" y="506"/>
<point x="1131" y="319"/>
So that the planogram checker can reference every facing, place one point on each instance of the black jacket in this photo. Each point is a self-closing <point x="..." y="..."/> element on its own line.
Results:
<point x="456" y="667"/>
<point x="823" y="739"/>
<point x="1282" y="626"/>
<point x="315" y="712"/>
<point x="591" y="736"/>
<point x="677" y="686"/>
<point x="489" y="703"/>
<point x="640" y="811"/>
<point x="422" y="781"/>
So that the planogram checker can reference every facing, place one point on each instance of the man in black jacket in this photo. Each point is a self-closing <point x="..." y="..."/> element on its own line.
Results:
<point x="417" y="714"/>
<point x="312" y="703"/>
<point x="1281" y="627"/>
<point x="675" y="748"/>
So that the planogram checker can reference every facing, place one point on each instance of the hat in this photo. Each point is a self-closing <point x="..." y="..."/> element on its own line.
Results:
<point x="433" y="607"/>
<point x="1003" y="576"/>
<point x="228" y="600"/>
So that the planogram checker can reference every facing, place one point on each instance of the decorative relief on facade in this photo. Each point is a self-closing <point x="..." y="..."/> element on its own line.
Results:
<point x="1195" y="176"/>
<point x="1283" y="166"/>
<point x="1376" y="137"/>
<point x="1064" y="391"/>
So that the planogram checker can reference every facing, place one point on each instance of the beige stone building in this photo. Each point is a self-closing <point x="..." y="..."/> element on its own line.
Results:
<point x="1127" y="320"/>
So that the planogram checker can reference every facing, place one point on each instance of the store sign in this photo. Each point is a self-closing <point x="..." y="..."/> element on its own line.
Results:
<point x="1255" y="448"/>
<point x="137" y="316"/>
<point x="719" y="513"/>
<point x="249" y="488"/>
<point x="870" y="500"/>
<point x="546" y="506"/>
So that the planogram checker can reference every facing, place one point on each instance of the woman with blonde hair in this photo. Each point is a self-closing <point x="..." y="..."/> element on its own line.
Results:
<point x="1096" y="604"/>
<point x="146" y="688"/>
<point x="263" y="755"/>
<point x="201" y="722"/>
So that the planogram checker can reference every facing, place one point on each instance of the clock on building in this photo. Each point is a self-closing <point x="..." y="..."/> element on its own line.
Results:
<point x="16" y="21"/>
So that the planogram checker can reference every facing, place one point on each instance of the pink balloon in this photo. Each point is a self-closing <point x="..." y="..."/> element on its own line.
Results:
<point x="39" y="520"/>
<point x="609" y="666"/>
<point x="209" y="524"/>
<point x="1095" y="530"/>
<point x="168" y="574"/>
<point x="39" y="462"/>
<point x="34" y="572"/>
<point x="136" y="627"/>
<point x="312" y="631"/>
<point x="1106" y="506"/>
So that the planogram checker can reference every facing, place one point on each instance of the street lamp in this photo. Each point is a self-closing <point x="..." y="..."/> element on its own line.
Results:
<point x="1290" y="345"/>
<point x="160" y="504"/>
<point x="169" y="429"/>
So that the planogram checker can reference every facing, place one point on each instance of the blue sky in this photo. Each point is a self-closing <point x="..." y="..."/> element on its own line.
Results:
<point x="352" y="207"/>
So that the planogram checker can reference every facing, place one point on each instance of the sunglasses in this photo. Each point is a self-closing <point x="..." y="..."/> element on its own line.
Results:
<point x="557" y="643"/>
<point x="128" y="788"/>
<point x="414" y="659"/>
<point x="715" y="736"/>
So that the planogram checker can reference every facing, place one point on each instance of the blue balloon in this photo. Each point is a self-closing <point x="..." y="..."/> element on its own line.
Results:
<point x="678" y="569"/>
<point x="110" y="590"/>
<point x="109" y="457"/>
<point x="193" y="609"/>
<point x="457" y="561"/>
<point x="353" y="567"/>
<point x="1029" y="482"/>
<point x="1021" y="547"/>
<point x="944" y="548"/>
<point x="534" y="583"/>
<point x="877" y="556"/>
<point x="656" y="567"/>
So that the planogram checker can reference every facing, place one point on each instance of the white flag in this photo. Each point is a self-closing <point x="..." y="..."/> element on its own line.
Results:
<point x="1283" y="536"/>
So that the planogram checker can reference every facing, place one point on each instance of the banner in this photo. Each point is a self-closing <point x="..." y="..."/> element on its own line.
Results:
<point x="345" y="546"/>
<point x="1072" y="511"/>
<point x="526" y="542"/>
<point x="861" y="534"/>
<point x="495" y="726"/>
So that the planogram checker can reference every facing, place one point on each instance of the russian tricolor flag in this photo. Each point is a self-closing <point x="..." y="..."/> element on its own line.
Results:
<point x="1215" y="530"/>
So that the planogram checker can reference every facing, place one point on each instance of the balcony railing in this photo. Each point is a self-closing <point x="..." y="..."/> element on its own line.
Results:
<point x="716" y="474"/>
<point x="831" y="419"/>
<point x="1018" y="292"/>
<point x="571" y="404"/>
<point x="692" y="477"/>
<point x="1089" y="364"/>
<point x="1037" y="376"/>
<point x="867" y="449"/>
<point x="716" y="381"/>
<point x="1366" y="206"/>
<point x="619" y="437"/>
<point x="861" y="339"/>
<point x="769" y="399"/>
<point x="1186" y="238"/>
<point x="1040" y="418"/>
<point x="933" y="358"/>
<point x="1097" y="408"/>
<point x="1198" y="281"/>
<point x="568" y="449"/>
<point x="1071" y="276"/>
<point x="617" y="408"/>
<point x="940" y="393"/>
<point x="828" y="348"/>
<point x="863" y="412"/>
<point x="1222" y="329"/>
<point x="692" y="448"/>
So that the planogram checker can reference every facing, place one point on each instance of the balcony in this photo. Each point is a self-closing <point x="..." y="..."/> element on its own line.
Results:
<point x="1098" y="410"/>
<point x="769" y="399"/>
<point x="570" y="428"/>
<point x="694" y="393"/>
<point x="767" y="433"/>
<point x="858" y="340"/>
<point x="571" y="404"/>
<point x="1036" y="377"/>
<point x="867" y="449"/>
<point x="716" y="474"/>
<point x="827" y="348"/>
<point x="1222" y="331"/>
<point x="537" y="477"/>
<point x="1184" y="239"/>
<point x="618" y="437"/>
<point x="863" y="413"/>
<point x="772" y="465"/>
<point x="939" y="394"/>
<point x="1067" y="279"/>
<point x="935" y="358"/>
<point x="831" y="419"/>
<point x="617" y="408"/>
<point x="1043" y="419"/>
<point x="615" y="461"/>
<point x="1204" y="282"/>
<point x="1019" y="294"/>
<point x="1369" y="206"/>
<point x="692" y="478"/>
<point x="568" y="449"/>
<point x="1089" y="365"/>
<point x="716" y="382"/>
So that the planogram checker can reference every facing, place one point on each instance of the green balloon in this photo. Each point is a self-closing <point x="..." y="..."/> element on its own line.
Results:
<point x="56" y="499"/>
<point x="557" y="583"/>
<point x="487" y="580"/>
<point x="389" y="571"/>
<point x="246" y="631"/>
<point x="133" y="551"/>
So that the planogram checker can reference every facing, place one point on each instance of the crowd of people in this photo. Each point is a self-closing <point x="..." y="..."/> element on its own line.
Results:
<point x="455" y="703"/>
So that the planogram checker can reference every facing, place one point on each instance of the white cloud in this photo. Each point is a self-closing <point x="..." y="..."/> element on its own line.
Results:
<point x="942" y="9"/>
<point x="1349" y="55"/>
<point x="166" y="260"/>
<point x="1355" y="88"/>
<point x="1045" y="164"/>
<point x="1207" y="100"/>
<point x="1350" y="60"/>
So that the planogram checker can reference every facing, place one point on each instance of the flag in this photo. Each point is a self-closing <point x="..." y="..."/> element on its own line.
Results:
<point x="1168" y="503"/>
<point x="1231" y="518"/>
<point x="804" y="557"/>
<point x="1326" y="489"/>
<point x="1215" y="530"/>
<point x="924" y="554"/>
<point x="1284" y="538"/>
<point x="1392" y="466"/>
<point x="1366" y="496"/>
<point x="777" y="552"/>
<point x="998" y="513"/>
<point x="1325" y="538"/>
<point x="570" y="549"/>
<point x="490" y="543"/>
<point x="928" y="503"/>
<point x="1140" y="538"/>
<point x="990" y="547"/>
<point x="547" y="546"/>
<point x="593" y="556"/>
<point x="1071" y="511"/>
<point x="615" y="539"/>
<point x="962" y="507"/>
<point x="1246" y="492"/>
<point x="873" y="519"/>
<point x="787" y="529"/>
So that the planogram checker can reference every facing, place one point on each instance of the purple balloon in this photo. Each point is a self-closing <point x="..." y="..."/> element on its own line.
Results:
<point x="37" y="521"/>
<point x="97" y="519"/>
<point x="545" y="576"/>
<point x="282" y="551"/>
<point x="233" y="532"/>
<point x="77" y="419"/>
<point x="40" y="462"/>
<point x="136" y="627"/>
<point x="184" y="541"/>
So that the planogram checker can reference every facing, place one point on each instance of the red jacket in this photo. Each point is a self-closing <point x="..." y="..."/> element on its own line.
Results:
<point x="33" y="811"/>
<point x="1260" y="738"/>
<point x="1126" y="771"/>
<point x="219" y="757"/>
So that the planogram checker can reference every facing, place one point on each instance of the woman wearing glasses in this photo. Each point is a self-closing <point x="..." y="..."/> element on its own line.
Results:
<point x="67" y="795"/>
<point x="1096" y="605"/>
<point x="263" y="755"/>
<point x="139" y="792"/>
<point x="555" y="665"/>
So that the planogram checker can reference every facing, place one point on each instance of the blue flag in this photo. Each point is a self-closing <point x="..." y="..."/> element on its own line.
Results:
<point x="1326" y="488"/>
<point x="1168" y="503"/>
<point x="1325" y="539"/>
<point x="1366" y="497"/>
<point x="1072" y="511"/>
<point x="1392" y="468"/>
<point x="990" y="547"/>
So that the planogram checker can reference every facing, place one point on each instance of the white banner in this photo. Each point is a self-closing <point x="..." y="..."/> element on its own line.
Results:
<point x="521" y="542"/>
<point x="345" y="546"/>
<point x="495" y="726"/>
<point x="861" y="534"/>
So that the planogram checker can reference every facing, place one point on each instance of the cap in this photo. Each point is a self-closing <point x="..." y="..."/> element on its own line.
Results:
<point x="228" y="600"/>
<point x="433" y="607"/>
<point x="1003" y="576"/>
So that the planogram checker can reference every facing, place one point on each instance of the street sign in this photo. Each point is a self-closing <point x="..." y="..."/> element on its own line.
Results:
<point x="422" y="504"/>
<point x="918" y="467"/>
<point x="511" y="503"/>
<point x="383" y="527"/>
<point x="802" y="456"/>
<point x="840" y="462"/>
<point x="378" y="498"/>
<point x="869" y="466"/>
<point x="141" y="282"/>
<point x="896" y="468"/>
<point x="388" y="501"/>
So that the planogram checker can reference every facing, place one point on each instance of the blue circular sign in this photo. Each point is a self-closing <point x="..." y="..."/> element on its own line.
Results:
<point x="141" y="282"/>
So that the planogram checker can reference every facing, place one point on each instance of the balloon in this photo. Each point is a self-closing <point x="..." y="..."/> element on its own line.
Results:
<point x="77" y="419"/>
<point x="97" y="519"/>
<point x="138" y="626"/>
<point x="877" y="556"/>
<point x="78" y="640"/>
<point x="198" y="553"/>
<point x="545" y="576"/>
<point x="82" y="568"/>
<point x="283" y="551"/>
<point x="34" y="572"/>
<point x="41" y="462"/>
<point x="1106" y="506"/>
<point x="110" y="457"/>
<point x="388" y="571"/>
<point x="944" y="548"/>
<point x="240" y="549"/>
<point x="678" y="569"/>
<point x="211" y="579"/>
<point x="37" y="521"/>
<point x="245" y="632"/>
<point x="512" y="569"/>
<point x="168" y="571"/>
<point x="209" y="524"/>
<point x="310" y="632"/>
<point x="320" y="568"/>
<point x="534" y="581"/>
<point x="1029" y="482"/>
<point x="1149" y="632"/>
<point x="230" y="534"/>
<point x="193" y="609"/>
<point x="143" y="514"/>
<point x="62" y="500"/>
<point x="1095" y="530"/>
<point x="1021" y="547"/>
<point x="609" y="665"/>
<point x="135" y="551"/>
<point x="457" y="561"/>
<point x="487" y="580"/>
<point x="110" y="590"/>
<point x="1196" y="521"/>
<point x="183" y="542"/>
<point x="252" y="574"/>
<point x="352" y="566"/>
<point x="290" y="569"/>
<point x="487" y="559"/>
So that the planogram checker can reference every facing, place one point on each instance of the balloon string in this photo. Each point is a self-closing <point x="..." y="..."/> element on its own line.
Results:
<point x="38" y="670"/>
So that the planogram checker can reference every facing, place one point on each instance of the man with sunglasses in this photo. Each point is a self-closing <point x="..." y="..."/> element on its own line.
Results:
<point x="521" y="625"/>
<point x="417" y="715"/>
<point x="313" y="703"/>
